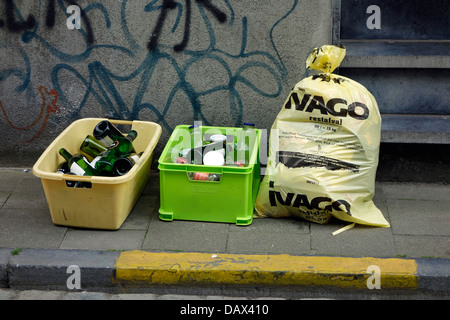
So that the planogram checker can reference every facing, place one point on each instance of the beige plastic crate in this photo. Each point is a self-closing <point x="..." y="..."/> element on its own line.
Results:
<point x="108" y="202"/>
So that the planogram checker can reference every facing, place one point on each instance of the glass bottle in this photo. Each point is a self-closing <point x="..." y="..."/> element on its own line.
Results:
<point x="183" y="153"/>
<point x="122" y="165"/>
<point x="106" y="133"/>
<point x="73" y="184"/>
<point x="242" y="146"/>
<point x="122" y="147"/>
<point x="219" y="137"/>
<point x="78" y="164"/>
<point x="196" y="136"/>
<point x="63" y="168"/>
<point x="104" y="165"/>
<point x="195" y="156"/>
<point x="204" y="176"/>
<point x="92" y="147"/>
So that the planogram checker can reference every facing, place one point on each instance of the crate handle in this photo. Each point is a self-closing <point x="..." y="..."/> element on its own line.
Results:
<point x="71" y="177"/>
<point x="126" y="122"/>
<point x="199" y="176"/>
<point x="85" y="181"/>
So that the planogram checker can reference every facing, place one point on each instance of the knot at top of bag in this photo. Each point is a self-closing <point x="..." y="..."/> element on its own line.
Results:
<point x="326" y="58"/>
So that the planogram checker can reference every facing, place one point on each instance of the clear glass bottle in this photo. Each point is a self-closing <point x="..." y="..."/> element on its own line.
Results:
<point x="195" y="156"/>
<point x="219" y="137"/>
<point x="242" y="144"/>
<point x="196" y="136"/>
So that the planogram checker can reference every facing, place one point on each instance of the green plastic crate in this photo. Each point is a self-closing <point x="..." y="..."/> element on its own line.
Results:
<point x="230" y="200"/>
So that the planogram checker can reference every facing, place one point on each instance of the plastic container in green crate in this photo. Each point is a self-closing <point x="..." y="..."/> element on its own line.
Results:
<point x="230" y="200"/>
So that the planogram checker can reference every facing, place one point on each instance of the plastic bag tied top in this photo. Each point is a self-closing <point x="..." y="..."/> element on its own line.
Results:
<point x="326" y="58"/>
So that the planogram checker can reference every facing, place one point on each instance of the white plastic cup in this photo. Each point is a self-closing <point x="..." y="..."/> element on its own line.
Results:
<point x="214" y="158"/>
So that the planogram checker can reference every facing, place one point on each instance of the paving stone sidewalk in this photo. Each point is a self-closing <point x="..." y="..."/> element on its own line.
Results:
<point x="419" y="215"/>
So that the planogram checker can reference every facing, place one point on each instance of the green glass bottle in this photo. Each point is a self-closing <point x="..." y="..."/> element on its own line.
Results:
<point x="123" y="145"/>
<point x="92" y="147"/>
<point x="106" y="133"/>
<point x="63" y="168"/>
<point x="104" y="165"/>
<point x="122" y="165"/>
<point x="121" y="148"/>
<point x="78" y="164"/>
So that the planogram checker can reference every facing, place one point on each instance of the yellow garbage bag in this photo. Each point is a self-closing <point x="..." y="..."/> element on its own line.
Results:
<point x="323" y="149"/>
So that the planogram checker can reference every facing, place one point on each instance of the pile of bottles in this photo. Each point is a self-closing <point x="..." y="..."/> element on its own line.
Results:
<point x="107" y="152"/>
<point x="216" y="150"/>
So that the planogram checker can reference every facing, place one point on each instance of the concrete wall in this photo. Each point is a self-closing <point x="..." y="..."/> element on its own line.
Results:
<point x="219" y="61"/>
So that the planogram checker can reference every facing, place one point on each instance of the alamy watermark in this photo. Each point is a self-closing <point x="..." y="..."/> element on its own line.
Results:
<point x="374" y="21"/>
<point x="74" y="21"/>
<point x="74" y="280"/>
<point x="374" y="280"/>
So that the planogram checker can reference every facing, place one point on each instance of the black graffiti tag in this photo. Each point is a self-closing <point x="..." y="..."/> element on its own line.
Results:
<point x="169" y="5"/>
<point x="15" y="26"/>
<point x="11" y="23"/>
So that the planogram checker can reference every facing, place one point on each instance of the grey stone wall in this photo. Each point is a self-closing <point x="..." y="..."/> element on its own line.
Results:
<point x="172" y="62"/>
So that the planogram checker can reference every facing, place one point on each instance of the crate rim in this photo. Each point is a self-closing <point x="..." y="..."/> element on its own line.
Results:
<point x="164" y="165"/>
<point x="97" y="179"/>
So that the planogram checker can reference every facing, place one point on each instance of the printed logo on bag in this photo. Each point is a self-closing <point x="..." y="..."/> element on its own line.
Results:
<point x="302" y="202"/>
<point x="337" y="107"/>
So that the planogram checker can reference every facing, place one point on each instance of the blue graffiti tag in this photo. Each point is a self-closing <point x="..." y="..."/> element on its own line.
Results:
<point x="104" y="85"/>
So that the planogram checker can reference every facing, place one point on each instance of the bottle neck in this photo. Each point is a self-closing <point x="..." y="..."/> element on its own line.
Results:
<point x="65" y="154"/>
<point x="132" y="135"/>
<point x="248" y="126"/>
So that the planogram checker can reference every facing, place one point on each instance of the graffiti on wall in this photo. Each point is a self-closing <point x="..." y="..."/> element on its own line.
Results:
<point x="100" y="83"/>
<point x="49" y="100"/>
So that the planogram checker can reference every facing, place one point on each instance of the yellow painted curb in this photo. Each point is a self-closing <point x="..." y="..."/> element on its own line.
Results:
<point x="156" y="268"/>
